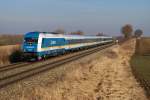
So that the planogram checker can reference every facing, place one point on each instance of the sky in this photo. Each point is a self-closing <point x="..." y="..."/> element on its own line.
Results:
<point x="90" y="16"/>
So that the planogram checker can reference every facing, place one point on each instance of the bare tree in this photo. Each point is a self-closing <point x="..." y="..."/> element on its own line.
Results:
<point x="127" y="30"/>
<point x="100" y="34"/>
<point x="60" y="31"/>
<point x="138" y="33"/>
<point x="72" y="33"/>
<point x="79" y="32"/>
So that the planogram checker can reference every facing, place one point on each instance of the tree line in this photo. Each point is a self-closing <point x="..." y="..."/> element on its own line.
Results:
<point x="127" y="31"/>
<point x="62" y="31"/>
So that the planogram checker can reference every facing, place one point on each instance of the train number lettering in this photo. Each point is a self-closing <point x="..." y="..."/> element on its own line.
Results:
<point x="53" y="42"/>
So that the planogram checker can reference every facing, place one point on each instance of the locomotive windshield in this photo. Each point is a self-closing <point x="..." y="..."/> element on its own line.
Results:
<point x="30" y="40"/>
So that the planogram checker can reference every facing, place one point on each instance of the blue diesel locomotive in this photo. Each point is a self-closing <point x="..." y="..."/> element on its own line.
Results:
<point x="42" y="44"/>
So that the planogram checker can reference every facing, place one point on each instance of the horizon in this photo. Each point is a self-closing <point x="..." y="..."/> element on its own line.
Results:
<point x="20" y="17"/>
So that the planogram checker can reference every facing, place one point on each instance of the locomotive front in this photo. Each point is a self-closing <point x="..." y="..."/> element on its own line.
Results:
<point x="30" y="44"/>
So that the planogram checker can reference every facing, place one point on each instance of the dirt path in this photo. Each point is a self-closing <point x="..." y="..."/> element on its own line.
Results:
<point x="102" y="76"/>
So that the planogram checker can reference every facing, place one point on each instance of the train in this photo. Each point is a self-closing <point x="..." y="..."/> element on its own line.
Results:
<point x="40" y="45"/>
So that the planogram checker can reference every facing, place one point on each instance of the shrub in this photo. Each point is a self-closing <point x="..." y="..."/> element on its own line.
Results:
<point x="16" y="56"/>
<point x="138" y="33"/>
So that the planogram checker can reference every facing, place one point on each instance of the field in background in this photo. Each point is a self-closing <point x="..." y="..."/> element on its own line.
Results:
<point x="143" y="46"/>
<point x="10" y="39"/>
<point x="140" y="63"/>
<point x="6" y="51"/>
<point x="141" y="59"/>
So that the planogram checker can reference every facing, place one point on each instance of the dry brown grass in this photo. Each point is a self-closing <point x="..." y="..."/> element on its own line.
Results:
<point x="5" y="52"/>
<point x="106" y="77"/>
<point x="7" y="39"/>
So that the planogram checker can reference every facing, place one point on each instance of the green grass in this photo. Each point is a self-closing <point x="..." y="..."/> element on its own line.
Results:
<point x="142" y="65"/>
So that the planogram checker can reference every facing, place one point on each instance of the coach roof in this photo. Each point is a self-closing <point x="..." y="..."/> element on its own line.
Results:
<point x="66" y="36"/>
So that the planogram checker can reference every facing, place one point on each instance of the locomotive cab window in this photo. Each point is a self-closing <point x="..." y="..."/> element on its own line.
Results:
<point x="31" y="40"/>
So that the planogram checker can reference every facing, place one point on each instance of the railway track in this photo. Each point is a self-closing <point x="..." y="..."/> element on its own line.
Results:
<point x="13" y="66"/>
<point x="9" y="79"/>
<point x="1" y="67"/>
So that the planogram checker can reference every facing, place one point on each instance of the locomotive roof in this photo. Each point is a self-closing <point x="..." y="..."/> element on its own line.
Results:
<point x="66" y="36"/>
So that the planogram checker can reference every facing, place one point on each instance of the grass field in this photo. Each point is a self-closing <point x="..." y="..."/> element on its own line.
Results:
<point x="142" y="65"/>
<point x="105" y="75"/>
<point x="141" y="59"/>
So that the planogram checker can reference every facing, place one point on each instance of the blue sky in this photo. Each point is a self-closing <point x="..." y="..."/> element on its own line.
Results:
<point x="91" y="16"/>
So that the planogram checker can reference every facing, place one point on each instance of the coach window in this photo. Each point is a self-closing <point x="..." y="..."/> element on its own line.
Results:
<point x="70" y="41"/>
